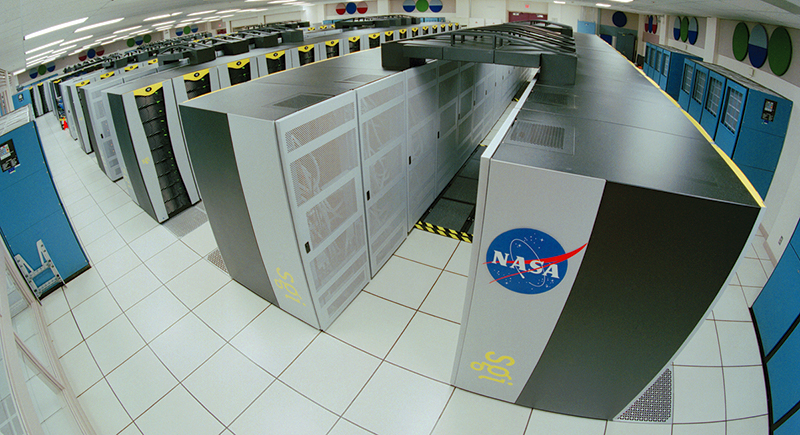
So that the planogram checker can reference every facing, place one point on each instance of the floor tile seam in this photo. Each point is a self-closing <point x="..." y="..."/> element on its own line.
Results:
<point x="446" y="383"/>
<point x="285" y="384"/>
<point x="207" y="298"/>
<point x="354" y="424"/>
<point x="171" y="278"/>
<point x="748" y="418"/>
<point x="297" y="356"/>
<point x="722" y="360"/>
<point x="436" y="281"/>
<point x="387" y="300"/>
<point x="527" y="421"/>
<point x="110" y="254"/>
<point x="439" y="418"/>
<point x="733" y="320"/>
<point x="415" y="261"/>
<point x="361" y="390"/>
<point x="246" y="408"/>
<point x="715" y="366"/>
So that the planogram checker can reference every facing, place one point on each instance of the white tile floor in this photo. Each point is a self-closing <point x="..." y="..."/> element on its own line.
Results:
<point x="157" y="340"/>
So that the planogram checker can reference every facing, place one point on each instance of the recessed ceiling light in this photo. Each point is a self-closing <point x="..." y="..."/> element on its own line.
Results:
<point x="61" y="50"/>
<point x="229" y="11"/>
<point x="39" y="56"/>
<point x="201" y="13"/>
<point x="126" y="30"/>
<point x="54" y="28"/>
<point x="225" y="16"/>
<point x="603" y="5"/>
<point x="44" y="46"/>
<point x="104" y="23"/>
<point x="210" y="18"/>
<point x="157" y="17"/>
<point x="18" y="72"/>
<point x="76" y="40"/>
<point x="164" y="23"/>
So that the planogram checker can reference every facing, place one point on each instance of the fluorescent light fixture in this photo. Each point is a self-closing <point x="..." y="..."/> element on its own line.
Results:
<point x="559" y="3"/>
<point x="175" y="14"/>
<point x="190" y="20"/>
<point x="104" y="23"/>
<point x="225" y="16"/>
<point x="18" y="72"/>
<point x="44" y="46"/>
<point x="229" y="11"/>
<point x="161" y="29"/>
<point x="75" y="40"/>
<point x="61" y="50"/>
<point x="603" y="5"/>
<point x="201" y="13"/>
<point x="622" y="1"/>
<point x="54" y="28"/>
<point x="276" y="1"/>
<point x="126" y="30"/>
<point x="157" y="17"/>
<point x="39" y="55"/>
<point x="75" y="52"/>
<point x="164" y="23"/>
<point x="211" y="18"/>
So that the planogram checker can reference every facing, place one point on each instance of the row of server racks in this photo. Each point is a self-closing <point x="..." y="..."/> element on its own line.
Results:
<point x="129" y="116"/>
<point x="746" y="120"/>
<point x="664" y="65"/>
<point x="352" y="154"/>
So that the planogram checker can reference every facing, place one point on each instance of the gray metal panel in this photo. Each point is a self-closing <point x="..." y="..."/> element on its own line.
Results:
<point x="208" y="136"/>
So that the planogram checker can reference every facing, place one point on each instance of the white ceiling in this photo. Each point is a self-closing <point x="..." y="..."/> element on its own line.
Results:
<point x="21" y="17"/>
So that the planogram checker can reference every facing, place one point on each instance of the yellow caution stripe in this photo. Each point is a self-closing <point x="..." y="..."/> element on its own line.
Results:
<point x="442" y="231"/>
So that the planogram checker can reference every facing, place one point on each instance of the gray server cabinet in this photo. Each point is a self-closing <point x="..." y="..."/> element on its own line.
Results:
<point x="150" y="140"/>
<point x="422" y="119"/>
<point x="280" y="171"/>
<point x="582" y="291"/>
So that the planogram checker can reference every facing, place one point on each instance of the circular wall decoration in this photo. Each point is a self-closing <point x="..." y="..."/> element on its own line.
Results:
<point x="757" y="46"/>
<point x="436" y="6"/>
<point x="361" y="7"/>
<point x="147" y="38"/>
<point x="409" y="5"/>
<point x="138" y="40"/>
<point x="178" y="32"/>
<point x="33" y="73"/>
<point x="195" y="29"/>
<point x="99" y="50"/>
<point x="780" y="51"/>
<point x="422" y="5"/>
<point x="741" y="36"/>
<point x="130" y="42"/>
<point x="619" y="19"/>
<point x="676" y="29"/>
<point x="648" y="24"/>
<point x="51" y="67"/>
<point x="693" y="30"/>
<point x="82" y="57"/>
<point x="654" y="26"/>
<point x="340" y="8"/>
<point x="91" y="53"/>
<point x="42" y="70"/>
<point x="684" y="29"/>
<point x="187" y="30"/>
<point x="350" y="8"/>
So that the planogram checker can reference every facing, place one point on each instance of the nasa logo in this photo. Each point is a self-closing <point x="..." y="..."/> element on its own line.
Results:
<point x="527" y="261"/>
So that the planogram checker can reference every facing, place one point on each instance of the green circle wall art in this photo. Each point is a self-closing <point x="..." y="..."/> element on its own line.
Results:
<point x="741" y="37"/>
<point x="780" y="51"/>
<point x="684" y="29"/>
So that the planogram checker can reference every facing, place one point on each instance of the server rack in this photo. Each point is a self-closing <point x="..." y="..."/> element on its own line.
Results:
<point x="387" y="199"/>
<point x="549" y="339"/>
<point x="668" y="69"/>
<point x="752" y="128"/>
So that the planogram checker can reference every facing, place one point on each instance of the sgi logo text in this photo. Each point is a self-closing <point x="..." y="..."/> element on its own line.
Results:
<point x="527" y="261"/>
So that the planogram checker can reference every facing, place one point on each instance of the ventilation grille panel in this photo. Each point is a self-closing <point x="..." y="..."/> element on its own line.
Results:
<point x="362" y="78"/>
<point x="550" y="98"/>
<point x="307" y="132"/>
<point x="315" y="171"/>
<point x="301" y="101"/>
<point x="417" y="80"/>
<point x="542" y="136"/>
<point x="379" y="98"/>
<point x="655" y="404"/>
<point x="332" y="212"/>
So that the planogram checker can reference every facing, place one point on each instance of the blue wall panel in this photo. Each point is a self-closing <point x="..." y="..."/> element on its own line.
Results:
<point x="778" y="305"/>
<point x="783" y="375"/>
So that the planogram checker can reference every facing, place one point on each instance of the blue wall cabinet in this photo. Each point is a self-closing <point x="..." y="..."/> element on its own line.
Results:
<point x="30" y="209"/>
<point x="776" y="313"/>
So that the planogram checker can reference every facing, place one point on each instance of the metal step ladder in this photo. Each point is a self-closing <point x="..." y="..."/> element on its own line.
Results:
<point x="30" y="274"/>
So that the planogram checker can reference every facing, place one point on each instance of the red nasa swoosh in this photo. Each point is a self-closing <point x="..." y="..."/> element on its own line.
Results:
<point x="546" y="262"/>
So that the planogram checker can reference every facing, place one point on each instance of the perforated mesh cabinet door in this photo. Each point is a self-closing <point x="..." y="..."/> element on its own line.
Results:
<point x="422" y="119"/>
<point x="320" y="157"/>
<point x="382" y="127"/>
